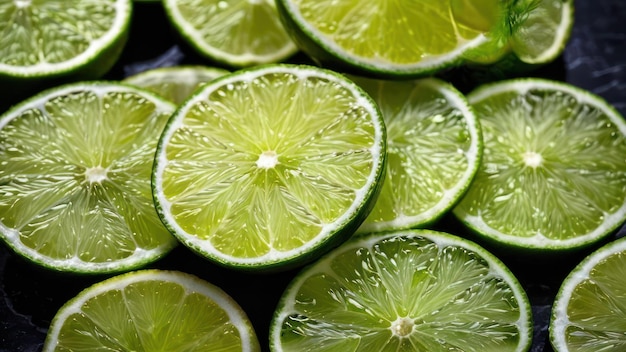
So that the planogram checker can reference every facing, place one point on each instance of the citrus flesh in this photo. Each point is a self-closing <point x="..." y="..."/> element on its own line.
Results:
<point x="75" y="178"/>
<point x="270" y="165"/>
<point x="433" y="151"/>
<point x="175" y="83"/>
<point x="238" y="33"/>
<point x="391" y="37"/>
<point x="41" y="38"/>
<point x="590" y="308"/>
<point x="553" y="175"/>
<point x="151" y="310"/>
<point x="412" y="290"/>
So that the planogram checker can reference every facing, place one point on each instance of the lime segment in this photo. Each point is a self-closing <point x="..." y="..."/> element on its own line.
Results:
<point x="269" y="165"/>
<point x="415" y="290"/>
<point x="553" y="174"/>
<point x="151" y="310"/>
<point x="75" y="178"/>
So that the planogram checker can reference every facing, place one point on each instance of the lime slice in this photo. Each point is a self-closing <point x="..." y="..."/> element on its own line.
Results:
<point x="175" y="83"/>
<point x="408" y="38"/>
<point x="433" y="151"/>
<point x="151" y="310"/>
<point x="237" y="33"/>
<point x="269" y="167"/>
<point x="553" y="174"/>
<point x="75" y="178"/>
<point x="590" y="308"/>
<point x="415" y="290"/>
<point x="542" y="35"/>
<point x="57" y="37"/>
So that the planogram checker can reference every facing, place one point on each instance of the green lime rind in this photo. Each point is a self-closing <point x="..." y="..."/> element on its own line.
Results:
<point x="589" y="309"/>
<point x="95" y="50"/>
<point x="434" y="147"/>
<point x="175" y="83"/>
<point x="75" y="181"/>
<point x="269" y="167"/>
<point x="149" y="310"/>
<point x="553" y="175"/>
<point x="236" y="33"/>
<point x="417" y="290"/>
<point x="326" y="52"/>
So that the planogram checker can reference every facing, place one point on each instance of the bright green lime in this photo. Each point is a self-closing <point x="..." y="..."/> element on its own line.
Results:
<point x="75" y="189"/>
<point x="271" y="166"/>
<point x="414" y="290"/>
<point x="152" y="310"/>
<point x="433" y="151"/>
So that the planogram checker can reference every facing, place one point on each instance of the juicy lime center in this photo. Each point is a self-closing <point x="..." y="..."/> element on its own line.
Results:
<point x="96" y="174"/>
<point x="402" y="327"/>
<point x="533" y="159"/>
<point x="267" y="160"/>
<point x="22" y="3"/>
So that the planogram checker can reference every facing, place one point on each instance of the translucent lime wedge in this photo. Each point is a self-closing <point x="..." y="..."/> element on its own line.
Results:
<point x="269" y="167"/>
<point x="75" y="178"/>
<point x="175" y="83"/>
<point x="553" y="174"/>
<point x="434" y="147"/>
<point x="414" y="290"/>
<point x="237" y="33"/>
<point x="151" y="310"/>
<point x="590" y="307"/>
<point x="386" y="38"/>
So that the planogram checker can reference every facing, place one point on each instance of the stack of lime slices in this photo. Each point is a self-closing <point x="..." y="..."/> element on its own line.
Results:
<point x="269" y="167"/>
<point x="434" y="148"/>
<point x="553" y="172"/>
<point x="152" y="310"/>
<point x="414" y="290"/>
<point x="75" y="178"/>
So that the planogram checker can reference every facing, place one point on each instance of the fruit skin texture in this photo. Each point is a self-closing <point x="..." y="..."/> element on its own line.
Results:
<point x="17" y="87"/>
<point x="333" y="240"/>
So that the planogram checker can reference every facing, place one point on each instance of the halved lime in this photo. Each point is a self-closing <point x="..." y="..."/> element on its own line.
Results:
<point x="542" y="34"/>
<point x="237" y="33"/>
<point x="407" y="38"/>
<point x="589" y="312"/>
<point x="151" y="310"/>
<point x="434" y="146"/>
<point x="413" y="290"/>
<point x="553" y="174"/>
<point x="271" y="166"/>
<point x="40" y="39"/>
<point x="175" y="83"/>
<point x="75" y="177"/>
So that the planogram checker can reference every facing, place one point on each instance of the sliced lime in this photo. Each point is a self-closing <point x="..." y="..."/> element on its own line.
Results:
<point x="237" y="33"/>
<point x="151" y="310"/>
<point x="433" y="146"/>
<point x="268" y="167"/>
<point x="553" y="174"/>
<point x="175" y="83"/>
<point x="414" y="290"/>
<point x="589" y="313"/>
<point x="75" y="178"/>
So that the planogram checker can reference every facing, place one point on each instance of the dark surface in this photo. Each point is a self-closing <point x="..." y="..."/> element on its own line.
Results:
<point x="595" y="59"/>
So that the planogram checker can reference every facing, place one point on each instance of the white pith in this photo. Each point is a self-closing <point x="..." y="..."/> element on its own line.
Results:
<point x="273" y="256"/>
<point x="191" y="284"/>
<point x="122" y="18"/>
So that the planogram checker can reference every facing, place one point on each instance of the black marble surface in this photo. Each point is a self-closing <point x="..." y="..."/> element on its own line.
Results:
<point x="595" y="59"/>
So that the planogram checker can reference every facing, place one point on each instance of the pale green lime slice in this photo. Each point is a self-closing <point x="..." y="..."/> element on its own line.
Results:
<point x="433" y="151"/>
<point x="269" y="167"/>
<point x="391" y="38"/>
<point x="414" y="290"/>
<point x="589" y="312"/>
<point x="53" y="37"/>
<point x="553" y="174"/>
<point x="235" y="32"/>
<point x="175" y="83"/>
<point x="75" y="189"/>
<point x="152" y="310"/>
